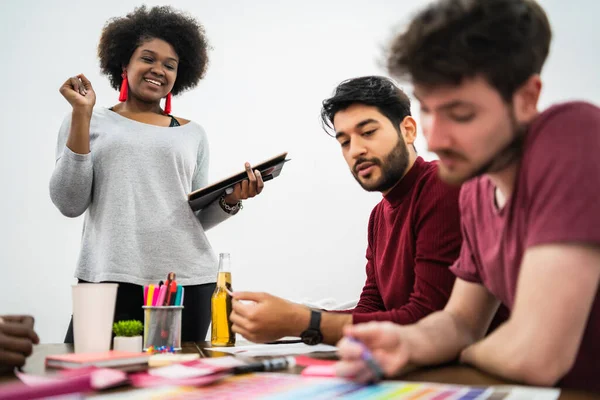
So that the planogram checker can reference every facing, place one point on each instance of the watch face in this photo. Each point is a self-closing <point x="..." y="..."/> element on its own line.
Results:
<point x="312" y="337"/>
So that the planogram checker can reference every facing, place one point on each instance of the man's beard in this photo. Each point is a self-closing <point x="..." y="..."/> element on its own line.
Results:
<point x="507" y="155"/>
<point x="392" y="168"/>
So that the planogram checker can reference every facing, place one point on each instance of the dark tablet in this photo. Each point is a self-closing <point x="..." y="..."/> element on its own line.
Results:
<point x="203" y="197"/>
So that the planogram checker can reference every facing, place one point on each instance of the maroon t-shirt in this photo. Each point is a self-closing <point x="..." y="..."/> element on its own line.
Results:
<point x="556" y="199"/>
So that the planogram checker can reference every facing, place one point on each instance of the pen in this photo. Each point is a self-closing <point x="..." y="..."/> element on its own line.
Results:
<point x="285" y="341"/>
<point x="170" y="301"/>
<point x="171" y="293"/>
<point x="162" y="328"/>
<point x="202" y="355"/>
<point x="274" y="364"/>
<point x="367" y="357"/>
<point x="170" y="278"/>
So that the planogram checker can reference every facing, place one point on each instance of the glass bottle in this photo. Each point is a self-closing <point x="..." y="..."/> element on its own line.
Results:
<point x="221" y="334"/>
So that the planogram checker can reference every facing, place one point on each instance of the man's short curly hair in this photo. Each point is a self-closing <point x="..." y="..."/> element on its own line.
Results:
<point x="122" y="35"/>
<point x="505" y="41"/>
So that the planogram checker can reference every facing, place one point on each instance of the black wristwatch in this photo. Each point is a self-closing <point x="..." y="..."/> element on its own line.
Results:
<point x="313" y="336"/>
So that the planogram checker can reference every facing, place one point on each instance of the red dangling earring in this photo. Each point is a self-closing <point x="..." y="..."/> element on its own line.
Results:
<point x="124" y="88"/>
<point x="168" y="103"/>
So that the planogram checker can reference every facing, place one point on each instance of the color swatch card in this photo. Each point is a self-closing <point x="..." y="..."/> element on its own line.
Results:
<point x="271" y="386"/>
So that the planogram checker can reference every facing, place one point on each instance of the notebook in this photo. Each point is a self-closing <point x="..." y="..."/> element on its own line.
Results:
<point x="110" y="359"/>
<point x="269" y="169"/>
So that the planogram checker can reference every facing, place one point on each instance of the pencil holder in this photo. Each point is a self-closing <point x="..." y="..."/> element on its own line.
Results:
<point x="162" y="327"/>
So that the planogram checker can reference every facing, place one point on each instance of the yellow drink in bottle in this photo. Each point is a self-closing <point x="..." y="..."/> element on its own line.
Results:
<point x="221" y="334"/>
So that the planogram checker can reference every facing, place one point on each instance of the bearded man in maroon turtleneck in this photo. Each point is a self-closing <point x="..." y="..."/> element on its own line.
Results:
<point x="413" y="234"/>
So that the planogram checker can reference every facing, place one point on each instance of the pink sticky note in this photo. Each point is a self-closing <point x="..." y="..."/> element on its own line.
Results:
<point x="319" y="370"/>
<point x="144" y="379"/>
<point x="102" y="378"/>
<point x="305" y="361"/>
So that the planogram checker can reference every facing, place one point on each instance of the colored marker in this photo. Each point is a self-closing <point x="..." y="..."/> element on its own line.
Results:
<point x="150" y="297"/>
<point x="367" y="357"/>
<point x="161" y="295"/>
<point x="155" y="296"/>
<point x="178" y="296"/>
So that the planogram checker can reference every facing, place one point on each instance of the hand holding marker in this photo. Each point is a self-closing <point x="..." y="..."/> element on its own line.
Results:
<point x="367" y="357"/>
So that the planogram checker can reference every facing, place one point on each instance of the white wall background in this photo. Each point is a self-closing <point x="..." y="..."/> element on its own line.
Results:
<point x="272" y="64"/>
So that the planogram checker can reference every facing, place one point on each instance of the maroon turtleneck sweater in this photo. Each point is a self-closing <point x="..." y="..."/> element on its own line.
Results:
<point x="414" y="237"/>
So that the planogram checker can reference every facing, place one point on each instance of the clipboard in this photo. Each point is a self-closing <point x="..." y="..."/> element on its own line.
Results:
<point x="269" y="169"/>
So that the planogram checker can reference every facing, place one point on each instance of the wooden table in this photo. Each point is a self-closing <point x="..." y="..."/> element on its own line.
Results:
<point x="453" y="374"/>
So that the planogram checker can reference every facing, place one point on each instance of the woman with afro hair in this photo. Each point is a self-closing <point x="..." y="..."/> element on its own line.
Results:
<point x="131" y="166"/>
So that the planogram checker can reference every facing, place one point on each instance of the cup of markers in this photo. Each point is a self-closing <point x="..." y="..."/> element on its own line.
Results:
<point x="163" y="306"/>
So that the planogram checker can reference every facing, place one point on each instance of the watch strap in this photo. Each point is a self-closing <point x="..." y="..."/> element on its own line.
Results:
<point x="315" y="320"/>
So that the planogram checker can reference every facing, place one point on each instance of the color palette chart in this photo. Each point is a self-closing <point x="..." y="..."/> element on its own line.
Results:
<point x="270" y="386"/>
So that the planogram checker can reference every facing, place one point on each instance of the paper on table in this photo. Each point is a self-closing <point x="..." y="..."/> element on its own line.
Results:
<point x="192" y="369"/>
<point x="257" y="350"/>
<point x="223" y="362"/>
<point x="163" y="359"/>
<point x="525" y="392"/>
<point x="179" y="371"/>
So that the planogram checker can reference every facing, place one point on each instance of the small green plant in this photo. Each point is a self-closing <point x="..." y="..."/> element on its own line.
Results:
<point x="128" y="328"/>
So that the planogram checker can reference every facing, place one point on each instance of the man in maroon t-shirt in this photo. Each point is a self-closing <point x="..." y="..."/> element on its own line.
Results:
<point x="414" y="232"/>
<point x="530" y="212"/>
